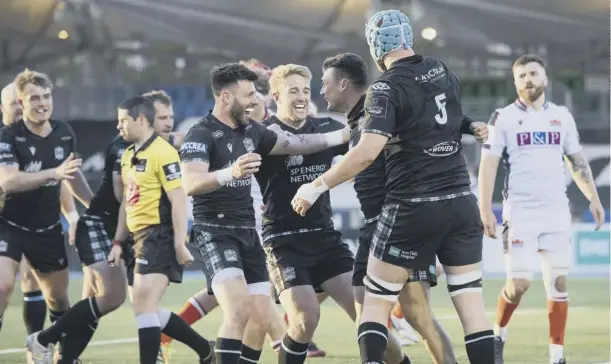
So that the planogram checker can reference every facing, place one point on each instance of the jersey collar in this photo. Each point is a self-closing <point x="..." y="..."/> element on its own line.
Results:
<point x="146" y="144"/>
<point x="522" y="106"/>
<point x="357" y="110"/>
<point x="306" y="128"/>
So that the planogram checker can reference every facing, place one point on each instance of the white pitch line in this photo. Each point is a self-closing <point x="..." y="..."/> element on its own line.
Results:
<point x="129" y="340"/>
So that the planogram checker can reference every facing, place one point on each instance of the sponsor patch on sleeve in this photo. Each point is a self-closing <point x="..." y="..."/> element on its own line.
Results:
<point x="377" y="107"/>
<point x="172" y="171"/>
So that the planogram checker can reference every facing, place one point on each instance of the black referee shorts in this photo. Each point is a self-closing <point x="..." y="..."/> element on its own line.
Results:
<point x="410" y="234"/>
<point x="154" y="252"/>
<point x="44" y="249"/>
<point x="362" y="256"/>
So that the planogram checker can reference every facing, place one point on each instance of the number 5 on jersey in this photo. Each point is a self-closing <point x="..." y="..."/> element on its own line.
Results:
<point x="441" y="117"/>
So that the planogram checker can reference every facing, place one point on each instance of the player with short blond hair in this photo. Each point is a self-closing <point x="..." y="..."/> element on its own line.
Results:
<point x="532" y="135"/>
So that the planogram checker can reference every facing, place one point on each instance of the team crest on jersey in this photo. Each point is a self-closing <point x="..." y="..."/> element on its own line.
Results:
<point x="217" y="134"/>
<point x="59" y="153"/>
<point x="249" y="145"/>
<point x="555" y="122"/>
<point x="32" y="150"/>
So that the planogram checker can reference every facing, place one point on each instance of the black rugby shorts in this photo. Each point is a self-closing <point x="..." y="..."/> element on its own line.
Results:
<point x="410" y="234"/>
<point x="362" y="256"/>
<point x="217" y="248"/>
<point x="44" y="249"/>
<point x="310" y="258"/>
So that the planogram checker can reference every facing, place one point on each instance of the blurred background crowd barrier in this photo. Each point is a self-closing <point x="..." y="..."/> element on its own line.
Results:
<point x="99" y="52"/>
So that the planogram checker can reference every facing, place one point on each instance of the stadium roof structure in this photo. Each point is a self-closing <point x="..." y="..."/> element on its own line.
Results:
<point x="304" y="31"/>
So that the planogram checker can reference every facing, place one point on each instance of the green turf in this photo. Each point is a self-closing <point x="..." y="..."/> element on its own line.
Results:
<point x="587" y="332"/>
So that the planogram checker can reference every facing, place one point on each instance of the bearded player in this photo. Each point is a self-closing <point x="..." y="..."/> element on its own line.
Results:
<point x="532" y="135"/>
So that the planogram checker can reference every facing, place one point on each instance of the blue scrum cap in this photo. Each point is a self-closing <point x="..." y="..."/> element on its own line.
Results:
<point x="387" y="31"/>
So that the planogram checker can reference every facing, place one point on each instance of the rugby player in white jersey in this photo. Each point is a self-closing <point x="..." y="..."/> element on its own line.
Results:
<point x="532" y="135"/>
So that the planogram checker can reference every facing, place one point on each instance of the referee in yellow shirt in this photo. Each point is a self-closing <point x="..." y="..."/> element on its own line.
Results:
<point x="154" y="211"/>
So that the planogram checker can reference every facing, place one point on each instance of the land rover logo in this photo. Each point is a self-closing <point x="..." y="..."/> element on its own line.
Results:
<point x="442" y="149"/>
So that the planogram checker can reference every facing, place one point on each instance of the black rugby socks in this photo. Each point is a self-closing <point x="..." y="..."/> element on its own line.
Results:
<point x="480" y="347"/>
<point x="34" y="311"/>
<point x="227" y="351"/>
<point x="249" y="355"/>
<point x="372" y="338"/>
<point x="292" y="352"/>
<point x="76" y="342"/>
<point x="81" y="314"/>
<point x="179" y="330"/>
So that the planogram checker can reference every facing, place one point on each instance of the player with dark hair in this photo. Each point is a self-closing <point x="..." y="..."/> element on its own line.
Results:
<point x="154" y="211"/>
<point x="344" y="84"/>
<point x="413" y="112"/>
<point x="219" y="156"/>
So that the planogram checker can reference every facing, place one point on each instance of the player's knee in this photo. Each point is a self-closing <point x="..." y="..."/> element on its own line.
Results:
<point x="305" y="321"/>
<point x="461" y="283"/>
<point x="376" y="287"/>
<point x="560" y="284"/>
<point x="516" y="287"/>
<point x="7" y="284"/>
<point x="237" y="318"/>
<point x="555" y="282"/>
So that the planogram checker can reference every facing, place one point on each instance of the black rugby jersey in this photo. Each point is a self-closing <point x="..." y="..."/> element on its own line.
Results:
<point x="370" y="184"/>
<point x="104" y="203"/>
<point x="280" y="176"/>
<point x="38" y="208"/>
<point x="219" y="145"/>
<point x="416" y="103"/>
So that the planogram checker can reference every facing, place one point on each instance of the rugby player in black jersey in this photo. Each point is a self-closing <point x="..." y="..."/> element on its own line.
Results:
<point x="219" y="156"/>
<point x="413" y="111"/>
<point x="37" y="154"/>
<point x="301" y="253"/>
<point x="34" y="305"/>
<point x="344" y="83"/>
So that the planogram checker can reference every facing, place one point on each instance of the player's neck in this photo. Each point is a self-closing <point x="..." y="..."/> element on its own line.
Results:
<point x="224" y="118"/>
<point x="394" y="56"/>
<point x="145" y="137"/>
<point x="537" y="104"/>
<point x="40" y="129"/>
<point x="351" y="100"/>
<point x="287" y="120"/>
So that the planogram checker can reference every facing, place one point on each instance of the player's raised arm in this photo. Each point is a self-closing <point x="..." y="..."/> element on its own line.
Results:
<point x="380" y="119"/>
<point x="14" y="181"/>
<point x="293" y="144"/>
<point x="489" y="162"/>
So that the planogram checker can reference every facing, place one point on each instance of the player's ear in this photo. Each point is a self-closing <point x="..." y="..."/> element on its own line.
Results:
<point x="275" y="97"/>
<point x="225" y="97"/>
<point x="344" y="84"/>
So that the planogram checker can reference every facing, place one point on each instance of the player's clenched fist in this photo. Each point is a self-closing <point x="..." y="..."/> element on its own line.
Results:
<point x="480" y="131"/>
<point x="246" y="165"/>
<point x="183" y="255"/>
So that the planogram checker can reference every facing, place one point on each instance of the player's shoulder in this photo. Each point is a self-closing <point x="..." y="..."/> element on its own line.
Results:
<point x="559" y="109"/>
<point x="503" y="115"/>
<point x="62" y="127"/>
<point x="161" y="146"/>
<point x="326" y="123"/>
<point x="270" y="121"/>
<point x="10" y="130"/>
